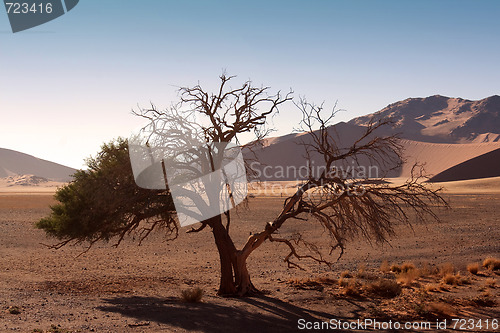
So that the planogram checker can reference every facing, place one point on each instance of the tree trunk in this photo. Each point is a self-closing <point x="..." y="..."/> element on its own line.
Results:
<point x="234" y="276"/>
<point x="244" y="285"/>
<point x="227" y="256"/>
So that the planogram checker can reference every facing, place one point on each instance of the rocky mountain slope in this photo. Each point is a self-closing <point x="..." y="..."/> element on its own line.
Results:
<point x="437" y="131"/>
<point x="441" y="119"/>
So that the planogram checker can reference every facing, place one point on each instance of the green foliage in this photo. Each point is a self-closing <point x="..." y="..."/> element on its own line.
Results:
<point x="104" y="201"/>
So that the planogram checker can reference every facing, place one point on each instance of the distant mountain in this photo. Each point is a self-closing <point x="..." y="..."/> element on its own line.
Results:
<point x="441" y="119"/>
<point x="437" y="131"/>
<point x="14" y="163"/>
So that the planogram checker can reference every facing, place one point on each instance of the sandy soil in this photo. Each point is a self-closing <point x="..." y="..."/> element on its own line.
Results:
<point x="137" y="288"/>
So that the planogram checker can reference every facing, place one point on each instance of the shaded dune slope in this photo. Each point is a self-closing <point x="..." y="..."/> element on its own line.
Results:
<point x="483" y="166"/>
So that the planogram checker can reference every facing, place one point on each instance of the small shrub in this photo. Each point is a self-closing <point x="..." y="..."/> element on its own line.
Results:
<point x="361" y="271"/>
<point x="385" y="267"/>
<point x="343" y="282"/>
<point x="352" y="289"/>
<point x="363" y="274"/>
<point x="450" y="279"/>
<point x="491" y="263"/>
<point x="395" y="268"/>
<point x="345" y="274"/>
<point x="192" y="295"/>
<point x="408" y="277"/>
<point x="407" y="266"/>
<point x="14" y="310"/>
<point x="384" y="288"/>
<point x="473" y="268"/>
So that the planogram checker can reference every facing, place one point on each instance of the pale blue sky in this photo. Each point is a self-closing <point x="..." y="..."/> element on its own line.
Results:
<point x="69" y="85"/>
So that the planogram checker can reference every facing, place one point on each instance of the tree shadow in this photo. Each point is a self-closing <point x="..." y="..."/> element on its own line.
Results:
<point x="255" y="314"/>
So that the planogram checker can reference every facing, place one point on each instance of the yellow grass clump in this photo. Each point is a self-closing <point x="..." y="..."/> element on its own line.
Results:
<point x="473" y="268"/>
<point x="491" y="263"/>
<point x="407" y="266"/>
<point x="343" y="282"/>
<point x="192" y="295"/>
<point x="345" y="274"/>
<point x="409" y="273"/>
<point x="364" y="274"/>
<point x="385" y="267"/>
<point x="384" y="288"/>
<point x="352" y="288"/>
<point x="395" y="268"/>
<point x="454" y="279"/>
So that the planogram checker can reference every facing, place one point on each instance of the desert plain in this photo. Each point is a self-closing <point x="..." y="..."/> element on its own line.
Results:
<point x="132" y="288"/>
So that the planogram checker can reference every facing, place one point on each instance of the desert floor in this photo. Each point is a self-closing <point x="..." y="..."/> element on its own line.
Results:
<point x="137" y="288"/>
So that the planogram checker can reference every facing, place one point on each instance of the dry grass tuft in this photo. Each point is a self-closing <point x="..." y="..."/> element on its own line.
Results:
<point x="14" y="310"/>
<point x="407" y="266"/>
<point x="192" y="295"/>
<point x="491" y="263"/>
<point x="408" y="276"/>
<point x="395" y="268"/>
<point x="385" y="288"/>
<point x="345" y="274"/>
<point x="473" y="268"/>
<point x="343" y="282"/>
<point x="363" y="274"/>
<point x="352" y="289"/>
<point x="366" y="275"/>
<point x="385" y="267"/>
<point x="450" y="279"/>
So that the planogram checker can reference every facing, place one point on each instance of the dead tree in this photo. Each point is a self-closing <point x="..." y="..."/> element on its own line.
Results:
<point x="220" y="118"/>
<point x="348" y="207"/>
